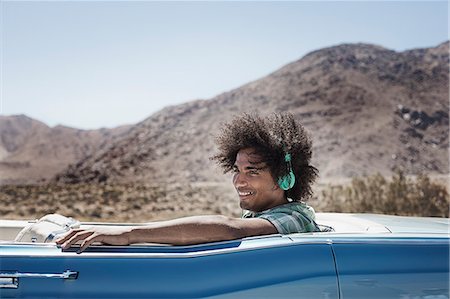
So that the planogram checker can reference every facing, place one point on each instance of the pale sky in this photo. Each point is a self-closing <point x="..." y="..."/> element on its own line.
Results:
<point x="92" y="64"/>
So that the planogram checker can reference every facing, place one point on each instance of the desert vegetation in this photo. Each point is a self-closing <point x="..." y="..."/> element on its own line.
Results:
<point x="116" y="202"/>
<point x="398" y="195"/>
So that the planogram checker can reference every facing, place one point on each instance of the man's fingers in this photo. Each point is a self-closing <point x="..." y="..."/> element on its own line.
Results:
<point x="76" y="237"/>
<point x="87" y="242"/>
<point x="66" y="237"/>
<point x="88" y="236"/>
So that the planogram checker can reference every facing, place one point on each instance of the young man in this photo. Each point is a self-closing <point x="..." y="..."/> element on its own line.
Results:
<point x="270" y="160"/>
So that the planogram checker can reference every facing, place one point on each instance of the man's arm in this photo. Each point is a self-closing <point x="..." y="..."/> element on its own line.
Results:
<point x="181" y="231"/>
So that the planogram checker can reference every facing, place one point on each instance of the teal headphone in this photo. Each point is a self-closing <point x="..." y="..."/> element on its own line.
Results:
<point x="287" y="181"/>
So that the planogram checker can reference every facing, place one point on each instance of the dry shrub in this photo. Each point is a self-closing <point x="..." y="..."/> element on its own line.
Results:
<point x="117" y="202"/>
<point x="398" y="196"/>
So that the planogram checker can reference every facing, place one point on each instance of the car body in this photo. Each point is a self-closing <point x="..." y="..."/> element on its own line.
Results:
<point x="359" y="256"/>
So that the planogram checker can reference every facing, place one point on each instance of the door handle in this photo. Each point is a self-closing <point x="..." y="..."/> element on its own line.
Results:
<point x="10" y="280"/>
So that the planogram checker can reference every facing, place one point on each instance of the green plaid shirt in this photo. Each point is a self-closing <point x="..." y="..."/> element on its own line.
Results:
<point x="293" y="217"/>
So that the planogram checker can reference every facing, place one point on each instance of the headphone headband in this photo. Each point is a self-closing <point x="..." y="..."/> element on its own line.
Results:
<point x="287" y="157"/>
<point x="287" y="181"/>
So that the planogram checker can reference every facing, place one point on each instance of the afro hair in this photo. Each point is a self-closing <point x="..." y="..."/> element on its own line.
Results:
<point x="272" y="137"/>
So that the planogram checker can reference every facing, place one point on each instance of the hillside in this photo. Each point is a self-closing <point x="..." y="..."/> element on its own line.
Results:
<point x="369" y="110"/>
<point x="31" y="152"/>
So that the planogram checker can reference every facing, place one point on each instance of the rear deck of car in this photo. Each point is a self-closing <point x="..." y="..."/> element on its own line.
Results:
<point x="334" y="223"/>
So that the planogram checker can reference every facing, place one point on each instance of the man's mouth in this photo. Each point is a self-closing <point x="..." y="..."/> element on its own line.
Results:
<point x="245" y="193"/>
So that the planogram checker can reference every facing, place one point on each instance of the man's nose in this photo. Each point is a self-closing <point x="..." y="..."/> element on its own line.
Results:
<point x="239" y="180"/>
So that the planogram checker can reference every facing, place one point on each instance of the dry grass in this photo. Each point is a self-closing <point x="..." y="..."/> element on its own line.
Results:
<point x="116" y="203"/>
<point x="398" y="195"/>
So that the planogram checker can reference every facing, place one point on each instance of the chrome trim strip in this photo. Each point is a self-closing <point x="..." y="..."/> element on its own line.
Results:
<point x="397" y="241"/>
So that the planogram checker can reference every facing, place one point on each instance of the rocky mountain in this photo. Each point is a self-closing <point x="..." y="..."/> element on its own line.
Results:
<point x="32" y="152"/>
<point x="369" y="109"/>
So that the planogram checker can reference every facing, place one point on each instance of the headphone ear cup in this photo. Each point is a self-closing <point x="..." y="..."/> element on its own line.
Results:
<point x="287" y="182"/>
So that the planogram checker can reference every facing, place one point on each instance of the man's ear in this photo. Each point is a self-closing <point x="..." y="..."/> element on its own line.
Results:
<point x="275" y="186"/>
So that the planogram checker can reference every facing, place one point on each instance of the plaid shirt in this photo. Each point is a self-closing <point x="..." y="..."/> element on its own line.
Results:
<point x="293" y="217"/>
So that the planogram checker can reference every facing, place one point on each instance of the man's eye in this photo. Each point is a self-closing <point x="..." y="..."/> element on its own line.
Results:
<point x="254" y="172"/>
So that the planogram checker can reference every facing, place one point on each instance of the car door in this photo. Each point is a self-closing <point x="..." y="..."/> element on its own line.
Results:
<point x="267" y="267"/>
<point x="393" y="267"/>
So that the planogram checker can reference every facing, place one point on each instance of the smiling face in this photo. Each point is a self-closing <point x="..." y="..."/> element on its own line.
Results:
<point x="254" y="183"/>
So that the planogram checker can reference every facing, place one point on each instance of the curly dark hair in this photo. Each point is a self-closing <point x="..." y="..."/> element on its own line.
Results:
<point x="271" y="137"/>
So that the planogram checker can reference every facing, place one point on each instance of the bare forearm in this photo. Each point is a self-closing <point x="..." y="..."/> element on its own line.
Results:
<point x="188" y="230"/>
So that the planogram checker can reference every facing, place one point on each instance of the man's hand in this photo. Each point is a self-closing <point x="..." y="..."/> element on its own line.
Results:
<point x="106" y="235"/>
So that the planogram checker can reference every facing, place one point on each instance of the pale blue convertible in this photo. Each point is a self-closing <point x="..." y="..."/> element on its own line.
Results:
<point x="357" y="256"/>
